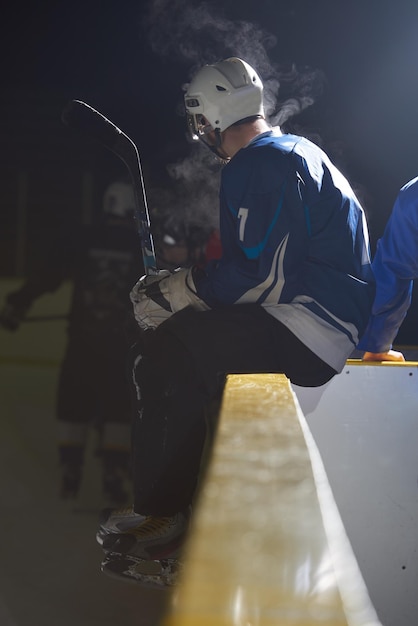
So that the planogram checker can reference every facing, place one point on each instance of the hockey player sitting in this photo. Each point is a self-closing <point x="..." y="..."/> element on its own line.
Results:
<point x="292" y="294"/>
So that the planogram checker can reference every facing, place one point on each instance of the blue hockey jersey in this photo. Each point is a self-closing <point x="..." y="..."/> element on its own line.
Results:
<point x="294" y="240"/>
<point x="395" y="266"/>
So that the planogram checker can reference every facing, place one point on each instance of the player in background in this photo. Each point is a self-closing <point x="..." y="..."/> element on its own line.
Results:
<point x="101" y="261"/>
<point x="291" y="293"/>
<point x="179" y="240"/>
<point x="395" y="266"/>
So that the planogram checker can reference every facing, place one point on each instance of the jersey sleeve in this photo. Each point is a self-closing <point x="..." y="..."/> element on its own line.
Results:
<point x="395" y="266"/>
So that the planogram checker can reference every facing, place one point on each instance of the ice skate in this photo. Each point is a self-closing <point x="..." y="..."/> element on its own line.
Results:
<point x="155" y="574"/>
<point x="147" y="553"/>
<point x="114" y="521"/>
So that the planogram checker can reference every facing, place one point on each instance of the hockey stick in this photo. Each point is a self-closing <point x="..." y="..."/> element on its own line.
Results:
<point x="84" y="118"/>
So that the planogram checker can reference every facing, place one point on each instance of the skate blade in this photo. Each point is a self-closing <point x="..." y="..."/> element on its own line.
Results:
<point x="152" y="574"/>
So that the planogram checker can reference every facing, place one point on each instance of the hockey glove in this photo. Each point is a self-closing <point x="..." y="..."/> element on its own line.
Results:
<point x="156" y="298"/>
<point x="145" y="281"/>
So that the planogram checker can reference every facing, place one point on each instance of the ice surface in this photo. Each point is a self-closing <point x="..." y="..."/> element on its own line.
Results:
<point x="49" y="559"/>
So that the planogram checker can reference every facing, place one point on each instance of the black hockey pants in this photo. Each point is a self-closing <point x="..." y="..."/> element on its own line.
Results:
<point x="179" y="370"/>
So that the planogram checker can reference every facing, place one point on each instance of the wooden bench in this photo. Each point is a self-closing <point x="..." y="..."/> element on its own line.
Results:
<point x="267" y="545"/>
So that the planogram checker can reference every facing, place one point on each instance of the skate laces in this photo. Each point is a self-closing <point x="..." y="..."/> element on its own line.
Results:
<point x="123" y="512"/>
<point x="154" y="527"/>
<point x="112" y="519"/>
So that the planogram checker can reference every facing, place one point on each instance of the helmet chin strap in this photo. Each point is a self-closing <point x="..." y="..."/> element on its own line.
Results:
<point x="216" y="148"/>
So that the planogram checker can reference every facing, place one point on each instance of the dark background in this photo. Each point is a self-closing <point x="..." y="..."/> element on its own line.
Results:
<point x="129" y="60"/>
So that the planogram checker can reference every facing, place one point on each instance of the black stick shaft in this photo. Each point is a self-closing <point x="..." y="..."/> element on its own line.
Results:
<point x="84" y="118"/>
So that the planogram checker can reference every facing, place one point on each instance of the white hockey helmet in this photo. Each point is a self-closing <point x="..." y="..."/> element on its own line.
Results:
<point x="119" y="200"/>
<point x="221" y="95"/>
